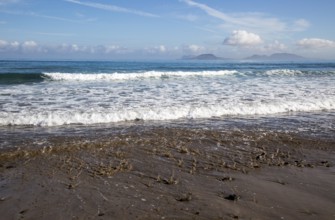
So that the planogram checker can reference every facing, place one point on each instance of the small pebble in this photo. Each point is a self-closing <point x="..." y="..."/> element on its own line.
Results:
<point x="232" y="197"/>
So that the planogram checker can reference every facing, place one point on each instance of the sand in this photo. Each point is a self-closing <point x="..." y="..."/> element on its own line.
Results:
<point x="170" y="173"/>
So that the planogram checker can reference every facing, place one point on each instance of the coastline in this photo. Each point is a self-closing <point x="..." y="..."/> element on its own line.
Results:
<point x="171" y="173"/>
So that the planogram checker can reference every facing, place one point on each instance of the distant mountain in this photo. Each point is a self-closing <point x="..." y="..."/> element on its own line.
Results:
<point x="277" y="57"/>
<point x="206" y="56"/>
<point x="256" y="57"/>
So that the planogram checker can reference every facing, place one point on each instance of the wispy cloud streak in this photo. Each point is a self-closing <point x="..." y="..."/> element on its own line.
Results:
<point x="33" y="14"/>
<point x="112" y="8"/>
<point x="54" y="34"/>
<point x="6" y="2"/>
<point x="254" y="21"/>
<point x="212" y="12"/>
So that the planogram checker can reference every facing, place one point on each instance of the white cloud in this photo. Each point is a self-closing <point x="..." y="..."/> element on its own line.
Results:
<point x="75" y="48"/>
<point x="315" y="43"/>
<point x="112" y="8"/>
<point x="70" y="48"/>
<point x="275" y="47"/>
<point x="192" y="49"/>
<point x="9" y="46"/>
<point x="17" y="47"/>
<point x="110" y="48"/>
<point x="172" y="51"/>
<point x="300" y="25"/>
<point x="14" y="45"/>
<point x="3" y="44"/>
<point x="242" y="38"/>
<point x="161" y="49"/>
<point x="29" y="46"/>
<point x="95" y="49"/>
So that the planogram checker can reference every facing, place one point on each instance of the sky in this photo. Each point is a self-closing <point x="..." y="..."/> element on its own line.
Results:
<point x="165" y="29"/>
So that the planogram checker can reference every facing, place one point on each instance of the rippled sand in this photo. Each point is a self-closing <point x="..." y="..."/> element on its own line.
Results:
<point x="170" y="173"/>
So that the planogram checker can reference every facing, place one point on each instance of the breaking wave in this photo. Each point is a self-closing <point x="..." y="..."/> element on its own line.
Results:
<point x="98" y="116"/>
<point x="22" y="78"/>
<point x="132" y="76"/>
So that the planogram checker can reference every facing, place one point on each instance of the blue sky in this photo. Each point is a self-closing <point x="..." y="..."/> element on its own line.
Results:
<point x="165" y="29"/>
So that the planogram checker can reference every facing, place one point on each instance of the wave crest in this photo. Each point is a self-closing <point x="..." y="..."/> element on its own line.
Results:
<point x="58" y="76"/>
<point x="100" y="116"/>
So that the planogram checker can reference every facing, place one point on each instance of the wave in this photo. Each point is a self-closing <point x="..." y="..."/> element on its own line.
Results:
<point x="102" y="116"/>
<point x="283" y="72"/>
<point x="17" y="78"/>
<point x="132" y="76"/>
<point x="58" y="76"/>
<point x="292" y="72"/>
<point x="20" y="78"/>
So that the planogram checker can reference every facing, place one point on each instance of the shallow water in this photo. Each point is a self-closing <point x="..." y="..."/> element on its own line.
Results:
<point x="41" y="101"/>
<point x="305" y="126"/>
<point x="64" y="93"/>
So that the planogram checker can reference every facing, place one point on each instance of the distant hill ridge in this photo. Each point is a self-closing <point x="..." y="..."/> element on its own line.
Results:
<point x="275" y="56"/>
<point x="206" y="56"/>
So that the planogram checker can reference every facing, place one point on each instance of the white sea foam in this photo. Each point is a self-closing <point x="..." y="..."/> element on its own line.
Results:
<point x="282" y="72"/>
<point x="100" y="115"/>
<point x="118" y="97"/>
<point x="132" y="76"/>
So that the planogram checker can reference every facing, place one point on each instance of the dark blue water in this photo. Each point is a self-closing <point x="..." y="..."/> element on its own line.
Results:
<point x="32" y="71"/>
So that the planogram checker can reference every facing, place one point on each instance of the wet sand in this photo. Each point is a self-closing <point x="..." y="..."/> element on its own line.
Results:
<point x="171" y="173"/>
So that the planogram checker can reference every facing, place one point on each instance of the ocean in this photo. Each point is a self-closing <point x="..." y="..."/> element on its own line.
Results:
<point x="39" y="99"/>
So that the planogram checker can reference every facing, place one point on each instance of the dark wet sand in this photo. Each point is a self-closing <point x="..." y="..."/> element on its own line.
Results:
<point x="167" y="173"/>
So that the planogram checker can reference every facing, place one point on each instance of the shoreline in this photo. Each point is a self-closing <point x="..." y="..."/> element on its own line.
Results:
<point x="171" y="173"/>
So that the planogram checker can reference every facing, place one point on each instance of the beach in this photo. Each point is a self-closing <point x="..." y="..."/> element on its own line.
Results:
<point x="186" y="109"/>
<point x="167" y="172"/>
